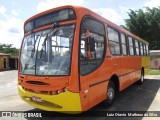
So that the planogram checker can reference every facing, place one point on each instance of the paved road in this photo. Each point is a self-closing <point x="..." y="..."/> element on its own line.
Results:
<point x="9" y="99"/>
<point x="144" y="97"/>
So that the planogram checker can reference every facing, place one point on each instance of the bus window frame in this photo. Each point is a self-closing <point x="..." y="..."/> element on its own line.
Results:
<point x="148" y="49"/>
<point x="119" y="37"/>
<point x="139" y="47"/>
<point x="131" y="46"/>
<point x="144" y="49"/>
<point x="79" y="49"/>
<point x="136" y="47"/>
<point x="141" y="44"/>
<point x="125" y="36"/>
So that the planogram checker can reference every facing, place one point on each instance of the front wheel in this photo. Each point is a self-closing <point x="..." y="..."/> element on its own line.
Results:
<point x="111" y="94"/>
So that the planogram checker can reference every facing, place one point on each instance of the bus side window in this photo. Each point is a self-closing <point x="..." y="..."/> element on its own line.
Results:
<point x="147" y="49"/>
<point x="141" y="48"/>
<point x="136" y="47"/>
<point x="131" y="50"/>
<point x="144" y="49"/>
<point x="114" y="41"/>
<point x="123" y="44"/>
<point x="92" y="45"/>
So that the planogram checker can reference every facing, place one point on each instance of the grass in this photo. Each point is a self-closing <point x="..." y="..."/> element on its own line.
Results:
<point x="152" y="72"/>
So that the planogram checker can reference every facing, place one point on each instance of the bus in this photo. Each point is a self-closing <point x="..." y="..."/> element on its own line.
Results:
<point x="72" y="59"/>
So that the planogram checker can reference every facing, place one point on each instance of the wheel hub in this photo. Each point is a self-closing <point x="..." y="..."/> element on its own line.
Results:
<point x="110" y="93"/>
<point x="142" y="78"/>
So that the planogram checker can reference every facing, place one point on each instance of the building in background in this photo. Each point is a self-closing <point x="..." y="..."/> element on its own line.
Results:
<point x="13" y="62"/>
<point x="8" y="62"/>
<point x="4" y="61"/>
<point x="155" y="59"/>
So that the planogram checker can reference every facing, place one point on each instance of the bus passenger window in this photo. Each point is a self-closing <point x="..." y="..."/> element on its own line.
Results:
<point x="141" y="48"/>
<point x="92" y="45"/>
<point x="131" y="51"/>
<point x="144" y="49"/>
<point x="114" y="43"/>
<point x="136" y="47"/>
<point x="147" y="50"/>
<point x="124" y="44"/>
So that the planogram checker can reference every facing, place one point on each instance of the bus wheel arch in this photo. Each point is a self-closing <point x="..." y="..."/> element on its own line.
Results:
<point x="115" y="80"/>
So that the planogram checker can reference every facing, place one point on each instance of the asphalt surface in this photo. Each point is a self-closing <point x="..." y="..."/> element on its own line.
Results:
<point x="144" y="97"/>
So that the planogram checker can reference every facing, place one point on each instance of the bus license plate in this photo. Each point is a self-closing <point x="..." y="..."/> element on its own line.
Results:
<point x="37" y="99"/>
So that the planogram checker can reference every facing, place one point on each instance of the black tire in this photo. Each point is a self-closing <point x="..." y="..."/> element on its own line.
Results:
<point x="110" y="94"/>
<point x="141" y="80"/>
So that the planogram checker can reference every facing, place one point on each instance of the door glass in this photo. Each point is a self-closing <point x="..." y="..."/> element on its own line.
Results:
<point x="91" y="46"/>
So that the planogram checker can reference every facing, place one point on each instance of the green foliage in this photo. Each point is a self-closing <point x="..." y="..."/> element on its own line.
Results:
<point x="124" y="27"/>
<point x="152" y="72"/>
<point x="145" y="24"/>
<point x="8" y="49"/>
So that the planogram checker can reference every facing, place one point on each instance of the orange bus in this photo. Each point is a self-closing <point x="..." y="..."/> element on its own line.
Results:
<point x="72" y="59"/>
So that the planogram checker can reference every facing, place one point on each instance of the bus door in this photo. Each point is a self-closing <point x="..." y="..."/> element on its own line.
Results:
<point x="92" y="47"/>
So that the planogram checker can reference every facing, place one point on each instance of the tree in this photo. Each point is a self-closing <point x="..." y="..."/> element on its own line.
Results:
<point x="145" y="24"/>
<point x="8" y="49"/>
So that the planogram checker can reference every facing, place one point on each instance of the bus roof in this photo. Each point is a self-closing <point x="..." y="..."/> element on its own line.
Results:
<point x="76" y="8"/>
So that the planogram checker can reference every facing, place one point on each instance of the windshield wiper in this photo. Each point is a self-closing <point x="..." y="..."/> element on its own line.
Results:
<point x="55" y="24"/>
<point x="51" y="30"/>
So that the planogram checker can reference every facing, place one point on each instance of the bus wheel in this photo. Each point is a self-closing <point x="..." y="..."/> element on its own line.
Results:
<point x="142" y="78"/>
<point x="111" y="94"/>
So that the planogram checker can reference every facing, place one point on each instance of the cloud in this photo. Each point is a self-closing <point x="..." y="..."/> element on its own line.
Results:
<point x="152" y="3"/>
<point x="14" y="12"/>
<point x="3" y="11"/>
<point x="123" y="9"/>
<point x="11" y="30"/>
<point x="11" y="27"/>
<point x="110" y="14"/>
<point x="14" y="30"/>
<point x="48" y="4"/>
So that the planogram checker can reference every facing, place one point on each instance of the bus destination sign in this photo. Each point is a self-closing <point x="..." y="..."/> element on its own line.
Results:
<point x="56" y="16"/>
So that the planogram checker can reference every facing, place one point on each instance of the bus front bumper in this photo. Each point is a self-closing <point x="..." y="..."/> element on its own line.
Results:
<point x="66" y="102"/>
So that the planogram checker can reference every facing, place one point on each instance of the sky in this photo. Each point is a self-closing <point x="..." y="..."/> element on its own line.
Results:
<point x="13" y="13"/>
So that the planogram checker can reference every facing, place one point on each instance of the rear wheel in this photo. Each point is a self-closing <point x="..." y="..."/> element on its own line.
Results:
<point x="110" y="94"/>
<point x="141" y="81"/>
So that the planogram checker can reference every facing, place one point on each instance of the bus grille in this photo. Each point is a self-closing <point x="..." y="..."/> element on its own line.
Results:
<point x="37" y="83"/>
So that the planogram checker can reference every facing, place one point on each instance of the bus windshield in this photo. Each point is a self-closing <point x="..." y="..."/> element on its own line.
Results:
<point x="48" y="52"/>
